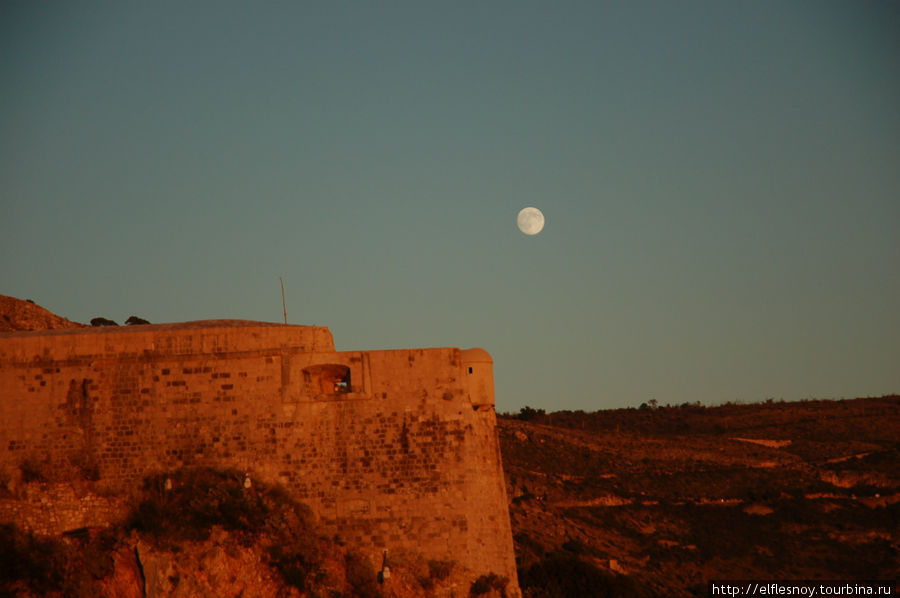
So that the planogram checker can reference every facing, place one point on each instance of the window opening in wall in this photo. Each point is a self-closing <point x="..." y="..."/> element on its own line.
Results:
<point x="470" y="370"/>
<point x="326" y="379"/>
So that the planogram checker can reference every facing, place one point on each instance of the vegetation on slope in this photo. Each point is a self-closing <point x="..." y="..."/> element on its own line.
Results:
<point x="18" y="315"/>
<point x="661" y="500"/>
<point x="204" y="531"/>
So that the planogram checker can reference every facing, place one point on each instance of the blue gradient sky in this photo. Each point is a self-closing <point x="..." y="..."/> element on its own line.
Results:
<point x="721" y="182"/>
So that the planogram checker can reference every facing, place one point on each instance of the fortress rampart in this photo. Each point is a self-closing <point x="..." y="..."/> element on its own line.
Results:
<point x="391" y="449"/>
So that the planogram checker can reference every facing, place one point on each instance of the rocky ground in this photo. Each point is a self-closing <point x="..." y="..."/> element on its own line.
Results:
<point x="203" y="533"/>
<point x="669" y="498"/>
<point x="16" y="315"/>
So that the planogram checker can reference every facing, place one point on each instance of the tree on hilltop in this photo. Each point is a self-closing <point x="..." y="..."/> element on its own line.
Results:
<point x="102" y="322"/>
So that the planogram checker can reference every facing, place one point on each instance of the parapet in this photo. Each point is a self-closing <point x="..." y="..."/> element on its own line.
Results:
<point x="209" y="337"/>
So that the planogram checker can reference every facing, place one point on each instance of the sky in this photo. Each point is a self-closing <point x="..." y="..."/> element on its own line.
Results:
<point x="720" y="181"/>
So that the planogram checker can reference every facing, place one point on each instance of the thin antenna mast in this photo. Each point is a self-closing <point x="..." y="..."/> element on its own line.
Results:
<point x="283" y="304"/>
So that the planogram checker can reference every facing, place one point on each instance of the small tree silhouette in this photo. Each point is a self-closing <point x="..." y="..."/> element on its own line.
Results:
<point x="527" y="413"/>
<point x="102" y="322"/>
<point x="134" y="320"/>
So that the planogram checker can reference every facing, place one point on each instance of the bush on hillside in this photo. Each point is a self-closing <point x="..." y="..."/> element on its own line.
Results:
<point x="69" y="566"/>
<point x="184" y="506"/>
<point x="563" y="575"/>
<point x="527" y="413"/>
<point x="487" y="583"/>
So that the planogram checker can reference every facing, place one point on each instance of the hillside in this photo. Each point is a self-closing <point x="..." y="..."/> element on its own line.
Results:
<point x="203" y="532"/>
<point x="660" y="501"/>
<point x="16" y="315"/>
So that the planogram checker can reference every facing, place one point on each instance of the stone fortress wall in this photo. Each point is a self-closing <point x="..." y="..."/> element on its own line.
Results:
<point x="391" y="449"/>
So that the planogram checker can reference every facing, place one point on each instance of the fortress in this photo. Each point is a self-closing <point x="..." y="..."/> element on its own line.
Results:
<point x="391" y="449"/>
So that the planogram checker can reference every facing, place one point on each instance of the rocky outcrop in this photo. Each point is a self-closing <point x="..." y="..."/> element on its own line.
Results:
<point x="17" y="315"/>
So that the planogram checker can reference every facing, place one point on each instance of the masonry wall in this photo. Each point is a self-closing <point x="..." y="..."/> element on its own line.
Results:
<point x="391" y="449"/>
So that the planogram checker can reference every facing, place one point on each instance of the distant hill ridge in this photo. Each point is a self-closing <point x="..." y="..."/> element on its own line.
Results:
<point x="17" y="315"/>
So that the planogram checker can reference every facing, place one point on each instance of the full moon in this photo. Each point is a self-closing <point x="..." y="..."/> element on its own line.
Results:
<point x="530" y="221"/>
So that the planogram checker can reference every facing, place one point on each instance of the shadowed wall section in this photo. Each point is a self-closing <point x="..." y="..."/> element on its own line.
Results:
<point x="391" y="449"/>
